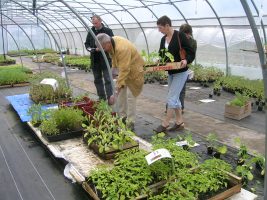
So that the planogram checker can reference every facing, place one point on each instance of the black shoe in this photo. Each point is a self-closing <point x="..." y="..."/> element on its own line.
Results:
<point x="177" y="127"/>
<point x="160" y="129"/>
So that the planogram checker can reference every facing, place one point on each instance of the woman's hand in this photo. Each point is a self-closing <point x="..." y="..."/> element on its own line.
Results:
<point x="183" y="63"/>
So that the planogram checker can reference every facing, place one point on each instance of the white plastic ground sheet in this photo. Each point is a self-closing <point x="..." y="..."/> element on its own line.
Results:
<point x="82" y="159"/>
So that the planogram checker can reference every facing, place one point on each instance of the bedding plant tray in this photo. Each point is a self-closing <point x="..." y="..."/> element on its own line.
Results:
<point x="110" y="152"/>
<point x="178" y="177"/>
<point x="63" y="136"/>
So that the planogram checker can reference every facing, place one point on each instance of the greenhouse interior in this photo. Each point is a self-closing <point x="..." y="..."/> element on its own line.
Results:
<point x="116" y="100"/>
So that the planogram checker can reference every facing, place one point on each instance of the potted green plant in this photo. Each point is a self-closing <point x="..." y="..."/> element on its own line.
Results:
<point x="211" y="139"/>
<point x="37" y="114"/>
<point x="259" y="161"/>
<point x="107" y="134"/>
<point x="64" y="123"/>
<point x="242" y="153"/>
<point x="238" y="108"/>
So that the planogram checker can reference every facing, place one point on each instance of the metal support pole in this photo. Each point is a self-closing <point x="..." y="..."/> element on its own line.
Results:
<point x="101" y="49"/>
<point x="2" y="31"/>
<point x="263" y="62"/>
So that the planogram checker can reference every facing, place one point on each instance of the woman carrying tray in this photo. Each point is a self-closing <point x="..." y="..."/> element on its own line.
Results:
<point x="172" y="42"/>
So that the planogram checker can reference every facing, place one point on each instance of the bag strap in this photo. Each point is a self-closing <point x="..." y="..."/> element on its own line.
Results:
<point x="179" y="40"/>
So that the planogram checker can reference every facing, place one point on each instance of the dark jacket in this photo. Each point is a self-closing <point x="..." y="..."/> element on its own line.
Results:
<point x="90" y="43"/>
<point x="174" y="50"/>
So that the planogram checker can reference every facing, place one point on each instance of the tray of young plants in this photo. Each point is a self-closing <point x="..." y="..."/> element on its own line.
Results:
<point x="108" y="134"/>
<point x="179" y="177"/>
<point x="5" y="60"/>
<point x="62" y="124"/>
<point x="81" y="62"/>
<point x="78" y="102"/>
<point x="153" y="61"/>
<point x="43" y="93"/>
<point x="251" y="168"/>
<point x="14" y="75"/>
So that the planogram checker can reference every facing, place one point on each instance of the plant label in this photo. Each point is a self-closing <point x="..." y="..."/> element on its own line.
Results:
<point x="157" y="155"/>
<point x="50" y="81"/>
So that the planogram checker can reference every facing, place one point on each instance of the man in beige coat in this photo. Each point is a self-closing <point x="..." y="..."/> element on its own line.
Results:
<point x="129" y="63"/>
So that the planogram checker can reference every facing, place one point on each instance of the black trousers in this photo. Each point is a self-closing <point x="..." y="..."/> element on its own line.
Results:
<point x="102" y="79"/>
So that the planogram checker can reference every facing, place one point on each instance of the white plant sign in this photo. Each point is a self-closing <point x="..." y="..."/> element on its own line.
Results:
<point x="157" y="155"/>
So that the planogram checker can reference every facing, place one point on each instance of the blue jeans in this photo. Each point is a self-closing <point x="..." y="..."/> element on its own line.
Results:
<point x="176" y="83"/>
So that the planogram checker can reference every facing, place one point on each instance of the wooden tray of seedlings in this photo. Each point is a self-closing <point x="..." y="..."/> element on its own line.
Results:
<point x="234" y="186"/>
<point x="110" y="154"/>
<point x="167" y="66"/>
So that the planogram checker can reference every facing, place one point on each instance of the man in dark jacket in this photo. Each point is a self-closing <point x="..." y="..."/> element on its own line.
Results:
<point x="99" y="67"/>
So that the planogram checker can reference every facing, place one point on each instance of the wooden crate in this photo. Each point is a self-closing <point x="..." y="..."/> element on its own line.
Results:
<point x="234" y="182"/>
<point x="236" y="112"/>
<point x="168" y="66"/>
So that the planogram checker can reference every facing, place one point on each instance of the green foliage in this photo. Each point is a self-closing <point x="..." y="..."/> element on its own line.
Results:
<point x="205" y="74"/>
<point x="6" y="61"/>
<point x="245" y="172"/>
<point x="251" y="88"/>
<point x="243" y="150"/>
<point x="239" y="100"/>
<point x="212" y="138"/>
<point x="107" y="131"/>
<point x="82" y="62"/>
<point x="181" y="158"/>
<point x="41" y="93"/>
<point x="63" y="120"/>
<point x="30" y="51"/>
<point x="129" y="178"/>
<point x="37" y="114"/>
<point x="151" y="58"/>
<point x="14" y="74"/>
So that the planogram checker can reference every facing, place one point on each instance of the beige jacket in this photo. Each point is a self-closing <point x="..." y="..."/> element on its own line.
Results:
<point x="130" y="64"/>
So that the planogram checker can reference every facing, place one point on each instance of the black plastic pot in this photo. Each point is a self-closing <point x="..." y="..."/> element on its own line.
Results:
<point x="260" y="108"/>
<point x="209" y="150"/>
<point x="240" y="161"/>
<point x="185" y="147"/>
<point x="217" y="155"/>
<point x="218" y="94"/>
<point x="210" y="96"/>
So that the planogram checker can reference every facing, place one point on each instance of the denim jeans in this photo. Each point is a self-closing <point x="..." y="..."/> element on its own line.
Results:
<point x="103" y="88"/>
<point x="176" y="83"/>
